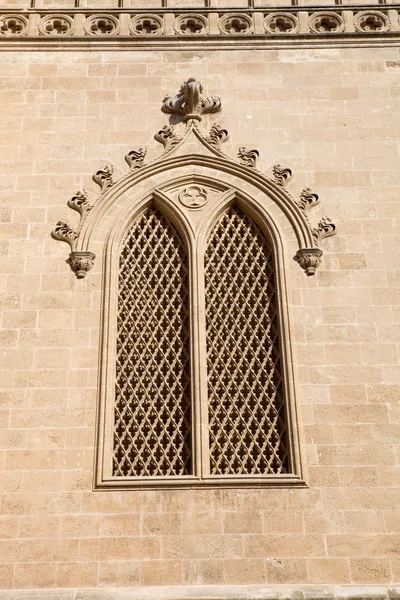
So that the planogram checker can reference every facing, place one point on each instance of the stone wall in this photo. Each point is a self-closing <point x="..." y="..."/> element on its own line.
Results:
<point x="332" y="116"/>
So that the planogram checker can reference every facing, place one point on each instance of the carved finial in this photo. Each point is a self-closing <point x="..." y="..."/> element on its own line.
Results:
<point x="325" y="229"/>
<point x="167" y="137"/>
<point x="307" y="200"/>
<point x="281" y="176"/>
<point x="217" y="136"/>
<point x="64" y="233"/>
<point x="190" y="102"/>
<point x="309" y="259"/>
<point x="103" y="177"/>
<point x="135" y="158"/>
<point x="81" y="262"/>
<point x="248" y="157"/>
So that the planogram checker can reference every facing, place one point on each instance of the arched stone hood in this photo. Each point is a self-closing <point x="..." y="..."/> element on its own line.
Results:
<point x="193" y="154"/>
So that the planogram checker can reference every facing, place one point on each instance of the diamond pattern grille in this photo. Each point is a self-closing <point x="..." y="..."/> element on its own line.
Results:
<point x="245" y="403"/>
<point x="152" y="431"/>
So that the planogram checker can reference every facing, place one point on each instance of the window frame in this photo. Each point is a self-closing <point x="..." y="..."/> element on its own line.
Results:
<point x="195" y="240"/>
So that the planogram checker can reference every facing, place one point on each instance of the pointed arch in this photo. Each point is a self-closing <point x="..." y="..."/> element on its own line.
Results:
<point x="152" y="412"/>
<point x="246" y="408"/>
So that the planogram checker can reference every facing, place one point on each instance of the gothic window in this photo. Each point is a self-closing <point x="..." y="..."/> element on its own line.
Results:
<point x="197" y="399"/>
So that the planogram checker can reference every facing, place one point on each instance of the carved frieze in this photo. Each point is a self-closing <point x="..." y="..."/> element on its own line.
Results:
<point x="182" y="27"/>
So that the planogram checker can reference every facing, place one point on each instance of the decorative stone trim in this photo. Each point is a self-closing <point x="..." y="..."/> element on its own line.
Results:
<point x="257" y="27"/>
<point x="248" y="157"/>
<point x="13" y="25"/>
<point x="146" y="25"/>
<point x="191" y="24"/>
<point x="101" y="25"/>
<point x="326" y="22"/>
<point x="191" y="104"/>
<point x="223" y="592"/>
<point x="81" y="262"/>
<point x="371" y="21"/>
<point x="236" y="23"/>
<point x="56" y="25"/>
<point x="281" y="23"/>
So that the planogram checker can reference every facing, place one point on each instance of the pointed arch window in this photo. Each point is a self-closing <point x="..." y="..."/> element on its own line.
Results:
<point x="246" y="413"/>
<point x="197" y="392"/>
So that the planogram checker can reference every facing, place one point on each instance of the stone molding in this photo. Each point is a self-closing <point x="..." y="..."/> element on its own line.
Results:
<point x="190" y="105"/>
<point x="165" y="28"/>
<point x="222" y="592"/>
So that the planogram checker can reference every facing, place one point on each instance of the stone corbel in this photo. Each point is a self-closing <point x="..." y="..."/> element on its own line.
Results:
<point x="309" y="259"/>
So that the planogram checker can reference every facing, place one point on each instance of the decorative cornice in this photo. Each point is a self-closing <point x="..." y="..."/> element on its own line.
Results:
<point x="337" y="25"/>
<point x="192" y="105"/>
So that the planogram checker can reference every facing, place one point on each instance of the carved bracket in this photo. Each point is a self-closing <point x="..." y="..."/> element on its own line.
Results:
<point x="190" y="102"/>
<point x="309" y="259"/>
<point x="81" y="262"/>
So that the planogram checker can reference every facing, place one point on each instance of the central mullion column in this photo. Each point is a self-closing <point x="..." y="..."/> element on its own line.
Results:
<point x="202" y="432"/>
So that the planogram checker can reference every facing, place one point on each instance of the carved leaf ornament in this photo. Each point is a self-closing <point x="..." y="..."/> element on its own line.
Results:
<point x="191" y="104"/>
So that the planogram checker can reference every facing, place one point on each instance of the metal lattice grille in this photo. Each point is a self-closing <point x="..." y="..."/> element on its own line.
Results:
<point x="246" y="409"/>
<point x="152" y="431"/>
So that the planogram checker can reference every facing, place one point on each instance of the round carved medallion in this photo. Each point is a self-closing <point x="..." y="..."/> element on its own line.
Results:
<point x="101" y="25"/>
<point x="56" y="25"/>
<point x="146" y="25"/>
<point x="13" y="25"/>
<point x="191" y="25"/>
<point x="234" y="24"/>
<point x="326" y="22"/>
<point x="193" y="196"/>
<point x="281" y="23"/>
<point x="371" y="21"/>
